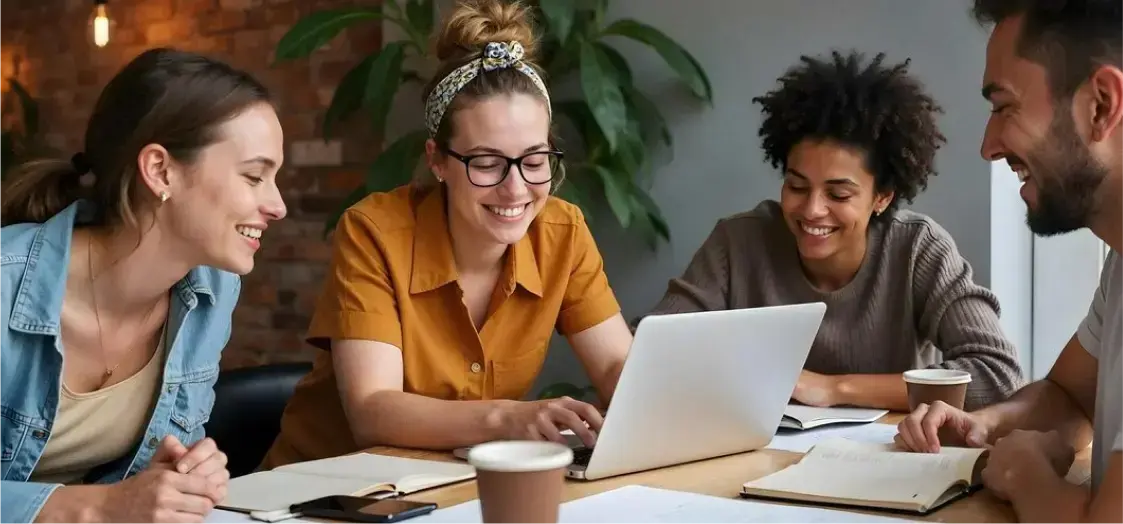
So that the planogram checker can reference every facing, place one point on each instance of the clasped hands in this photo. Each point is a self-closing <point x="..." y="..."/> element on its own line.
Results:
<point x="180" y="485"/>
<point x="1012" y="459"/>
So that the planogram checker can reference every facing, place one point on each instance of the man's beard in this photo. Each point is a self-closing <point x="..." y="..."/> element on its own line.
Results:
<point x="1067" y="178"/>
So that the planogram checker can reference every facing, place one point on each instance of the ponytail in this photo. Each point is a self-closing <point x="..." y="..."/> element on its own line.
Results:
<point x="163" y="96"/>
<point x="38" y="190"/>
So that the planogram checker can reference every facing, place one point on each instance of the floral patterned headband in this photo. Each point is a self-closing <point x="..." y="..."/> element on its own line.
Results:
<point x="496" y="55"/>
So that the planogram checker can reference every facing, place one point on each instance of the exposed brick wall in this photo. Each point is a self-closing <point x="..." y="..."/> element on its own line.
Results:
<point x="46" y="45"/>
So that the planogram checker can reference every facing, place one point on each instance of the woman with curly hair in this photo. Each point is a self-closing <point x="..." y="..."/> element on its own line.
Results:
<point x="852" y="142"/>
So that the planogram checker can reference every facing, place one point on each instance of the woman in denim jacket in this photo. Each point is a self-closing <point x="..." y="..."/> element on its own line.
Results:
<point x="119" y="276"/>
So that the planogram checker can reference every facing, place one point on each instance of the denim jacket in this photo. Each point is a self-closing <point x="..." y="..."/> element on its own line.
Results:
<point x="33" y="272"/>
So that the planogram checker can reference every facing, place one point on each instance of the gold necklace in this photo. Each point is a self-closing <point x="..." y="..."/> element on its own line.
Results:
<point x="97" y="315"/>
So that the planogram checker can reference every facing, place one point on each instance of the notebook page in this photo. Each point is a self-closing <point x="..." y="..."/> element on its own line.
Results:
<point x="870" y="472"/>
<point x="377" y="469"/>
<point x="276" y="490"/>
<point x="645" y="504"/>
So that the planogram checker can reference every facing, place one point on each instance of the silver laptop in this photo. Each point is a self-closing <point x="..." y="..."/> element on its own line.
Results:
<point x="700" y="385"/>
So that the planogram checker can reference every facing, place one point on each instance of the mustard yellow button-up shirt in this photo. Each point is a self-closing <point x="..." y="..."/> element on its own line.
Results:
<point x="393" y="279"/>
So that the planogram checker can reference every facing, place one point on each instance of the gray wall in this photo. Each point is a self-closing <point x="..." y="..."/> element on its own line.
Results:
<point x="718" y="168"/>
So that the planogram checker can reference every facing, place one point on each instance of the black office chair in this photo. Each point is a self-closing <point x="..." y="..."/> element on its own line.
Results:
<point x="247" y="411"/>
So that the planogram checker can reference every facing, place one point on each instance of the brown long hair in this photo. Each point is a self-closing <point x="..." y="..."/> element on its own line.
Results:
<point x="163" y="96"/>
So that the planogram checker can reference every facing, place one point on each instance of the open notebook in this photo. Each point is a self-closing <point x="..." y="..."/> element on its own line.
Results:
<point x="797" y="416"/>
<point x="359" y="475"/>
<point x="849" y="473"/>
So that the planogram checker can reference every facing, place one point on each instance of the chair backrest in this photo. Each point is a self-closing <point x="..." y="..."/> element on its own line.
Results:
<point x="247" y="411"/>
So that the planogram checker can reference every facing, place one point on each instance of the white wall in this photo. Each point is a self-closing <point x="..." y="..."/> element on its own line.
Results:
<point x="1011" y="258"/>
<point x="1065" y="277"/>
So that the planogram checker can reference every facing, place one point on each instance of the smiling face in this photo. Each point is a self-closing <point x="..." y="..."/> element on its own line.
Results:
<point x="828" y="199"/>
<point x="508" y="125"/>
<point x="1038" y="137"/>
<point x="217" y="211"/>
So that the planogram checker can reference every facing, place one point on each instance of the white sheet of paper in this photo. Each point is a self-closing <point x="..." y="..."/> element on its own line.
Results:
<point x="234" y="517"/>
<point x="802" y="441"/>
<point x="644" y="504"/>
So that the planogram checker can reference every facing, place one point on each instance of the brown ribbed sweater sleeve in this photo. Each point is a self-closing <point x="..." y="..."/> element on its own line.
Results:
<point x="912" y="304"/>
<point x="961" y="318"/>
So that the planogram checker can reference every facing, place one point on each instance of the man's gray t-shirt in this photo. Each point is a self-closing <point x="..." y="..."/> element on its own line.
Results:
<point x="1101" y="334"/>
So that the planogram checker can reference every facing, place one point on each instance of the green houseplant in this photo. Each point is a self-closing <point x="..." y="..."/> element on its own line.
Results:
<point x="619" y="128"/>
<point x="19" y="140"/>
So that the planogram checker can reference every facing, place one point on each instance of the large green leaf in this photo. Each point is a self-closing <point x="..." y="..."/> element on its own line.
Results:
<point x="649" y="217"/>
<point x="371" y="84"/>
<point x="385" y="77"/>
<point x="651" y="122"/>
<point x="28" y="108"/>
<point x="602" y="94"/>
<point x="559" y="16"/>
<point x="348" y="95"/>
<point x="317" y="29"/>
<point x="614" y="61"/>
<point x="617" y="194"/>
<point x="578" y="113"/>
<point x="395" y="165"/>
<point x="633" y="151"/>
<point x="679" y="59"/>
<point x="420" y="15"/>
<point x="575" y="191"/>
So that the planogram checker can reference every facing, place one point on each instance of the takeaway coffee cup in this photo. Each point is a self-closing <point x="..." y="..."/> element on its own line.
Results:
<point x="520" y="481"/>
<point x="926" y="386"/>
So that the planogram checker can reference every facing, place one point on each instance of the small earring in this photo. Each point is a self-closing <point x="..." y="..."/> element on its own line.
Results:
<point x="163" y="196"/>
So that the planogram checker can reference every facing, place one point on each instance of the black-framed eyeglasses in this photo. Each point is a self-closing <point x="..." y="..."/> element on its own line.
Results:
<point x="490" y="169"/>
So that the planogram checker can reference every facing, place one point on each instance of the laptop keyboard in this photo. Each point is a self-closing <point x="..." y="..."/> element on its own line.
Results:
<point x="582" y="455"/>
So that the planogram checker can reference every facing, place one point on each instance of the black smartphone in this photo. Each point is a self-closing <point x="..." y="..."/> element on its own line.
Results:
<point x="358" y="509"/>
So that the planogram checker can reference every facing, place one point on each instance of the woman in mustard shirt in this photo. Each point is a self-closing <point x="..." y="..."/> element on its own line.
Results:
<point x="442" y="296"/>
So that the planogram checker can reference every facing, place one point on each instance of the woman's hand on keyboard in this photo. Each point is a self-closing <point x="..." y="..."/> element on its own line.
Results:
<point x="545" y="420"/>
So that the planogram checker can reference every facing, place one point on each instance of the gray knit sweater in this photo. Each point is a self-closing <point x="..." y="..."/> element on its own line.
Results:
<point x="912" y="304"/>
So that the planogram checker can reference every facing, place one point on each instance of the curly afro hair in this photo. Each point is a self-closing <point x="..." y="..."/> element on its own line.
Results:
<point x="877" y="109"/>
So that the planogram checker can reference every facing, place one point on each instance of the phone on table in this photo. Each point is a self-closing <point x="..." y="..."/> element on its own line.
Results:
<point x="358" y="509"/>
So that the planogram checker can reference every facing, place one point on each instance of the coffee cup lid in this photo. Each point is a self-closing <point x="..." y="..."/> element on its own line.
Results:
<point x="520" y="456"/>
<point x="937" y="376"/>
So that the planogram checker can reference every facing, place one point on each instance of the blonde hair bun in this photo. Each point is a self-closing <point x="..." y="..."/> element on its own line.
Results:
<point x="474" y="23"/>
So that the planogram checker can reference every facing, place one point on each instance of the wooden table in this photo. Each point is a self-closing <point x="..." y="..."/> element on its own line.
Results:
<point x="723" y="477"/>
